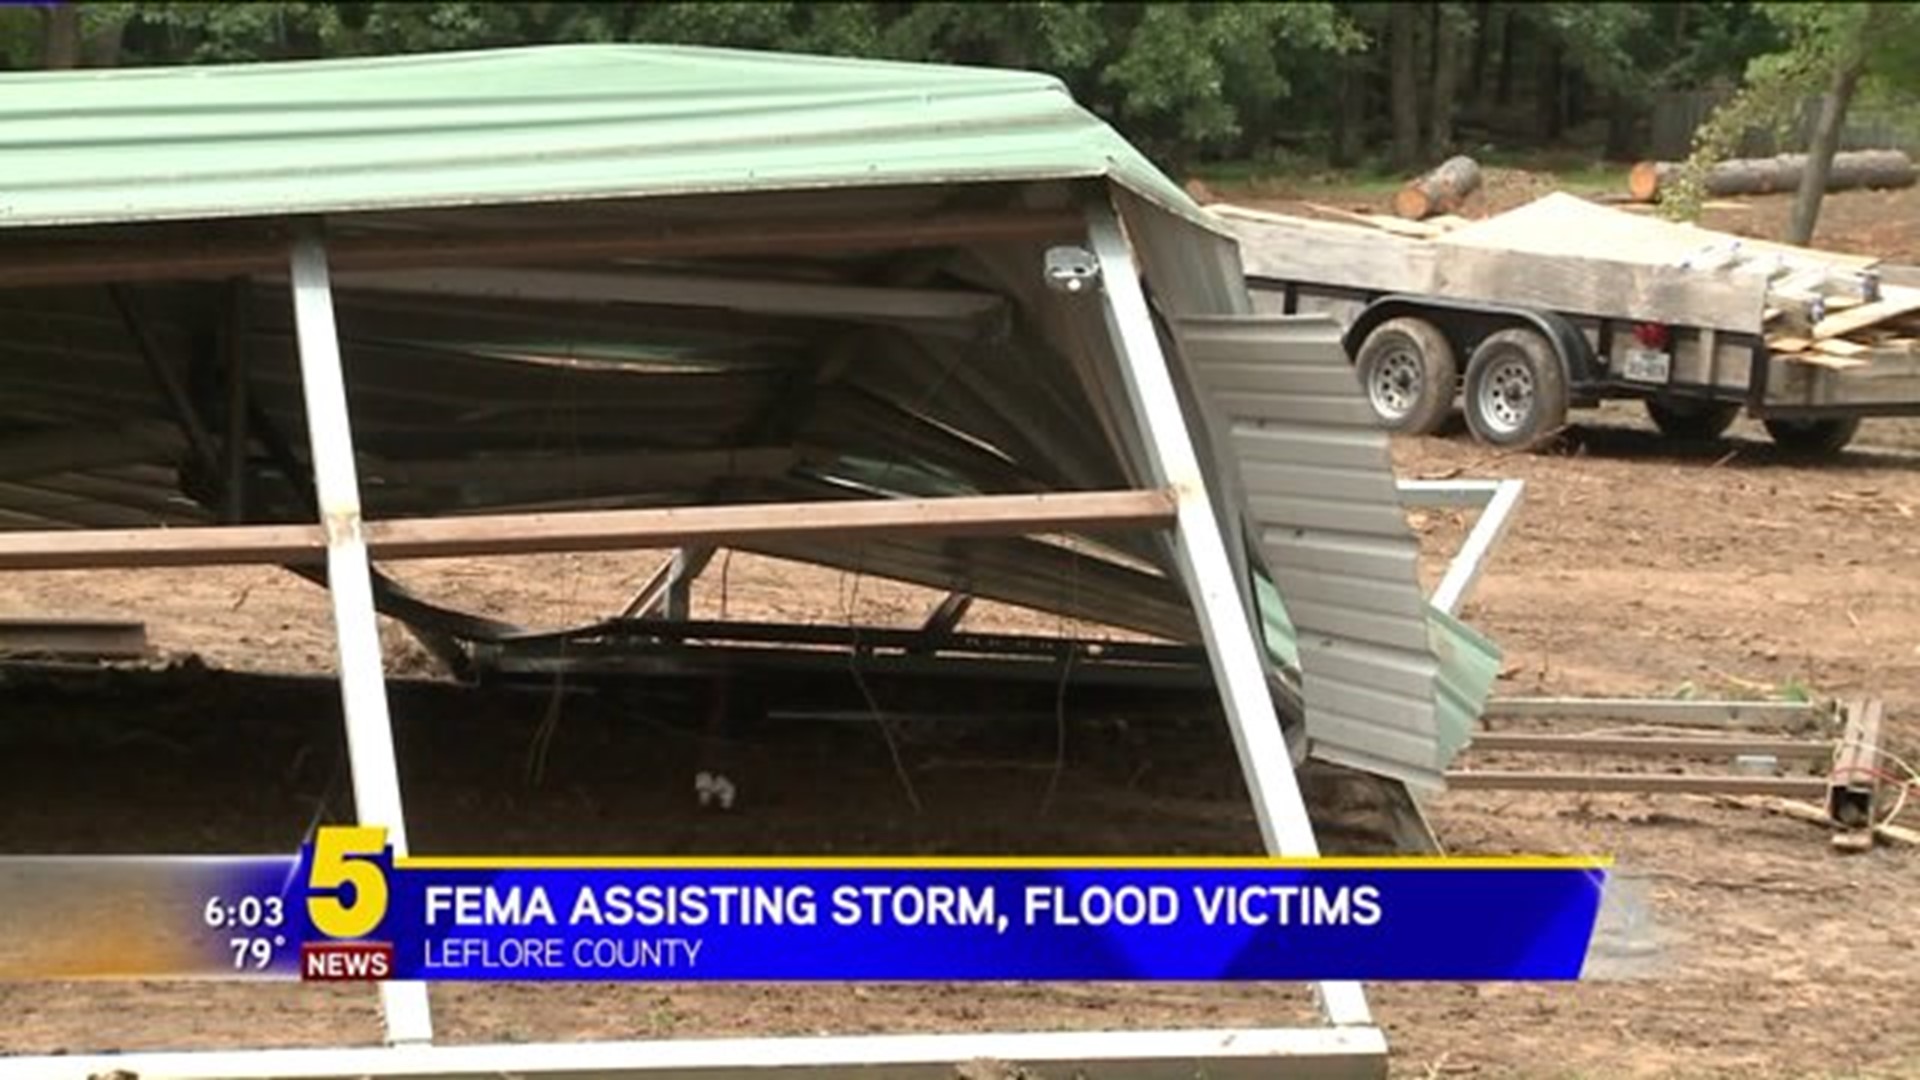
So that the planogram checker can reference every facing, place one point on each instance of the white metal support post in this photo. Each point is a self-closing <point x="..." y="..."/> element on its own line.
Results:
<point x="1235" y="654"/>
<point x="1498" y="499"/>
<point x="363" y="687"/>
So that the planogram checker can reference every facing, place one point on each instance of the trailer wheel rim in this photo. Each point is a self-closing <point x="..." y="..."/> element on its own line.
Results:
<point x="1506" y="398"/>
<point x="1397" y="384"/>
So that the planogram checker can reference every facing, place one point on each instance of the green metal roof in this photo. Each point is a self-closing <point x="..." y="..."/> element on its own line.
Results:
<point x="530" y="125"/>
<point x="574" y="123"/>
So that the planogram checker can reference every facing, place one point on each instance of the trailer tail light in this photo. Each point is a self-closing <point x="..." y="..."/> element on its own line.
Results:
<point x="1652" y="336"/>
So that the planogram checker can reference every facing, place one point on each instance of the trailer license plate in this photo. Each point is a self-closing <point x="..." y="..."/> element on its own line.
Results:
<point x="1644" y="365"/>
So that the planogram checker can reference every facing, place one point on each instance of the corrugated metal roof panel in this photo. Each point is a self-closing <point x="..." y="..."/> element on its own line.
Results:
<point x="1469" y="664"/>
<point x="556" y="123"/>
<point x="1320" y="491"/>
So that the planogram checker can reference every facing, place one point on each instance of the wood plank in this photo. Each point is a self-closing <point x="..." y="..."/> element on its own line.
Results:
<point x="1827" y="360"/>
<point x="1330" y="253"/>
<point x="1840" y="347"/>
<point x="1816" y="815"/>
<point x="602" y="530"/>
<point x="1893" y="303"/>
<point x="1789" y="343"/>
<point x="1600" y="286"/>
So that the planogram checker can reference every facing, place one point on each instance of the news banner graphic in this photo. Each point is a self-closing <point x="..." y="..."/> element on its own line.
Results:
<point x="345" y="909"/>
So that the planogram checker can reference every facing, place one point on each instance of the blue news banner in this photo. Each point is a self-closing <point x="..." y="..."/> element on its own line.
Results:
<point x="348" y="910"/>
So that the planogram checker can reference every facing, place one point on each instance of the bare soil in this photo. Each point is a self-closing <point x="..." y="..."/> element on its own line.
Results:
<point x="1634" y="568"/>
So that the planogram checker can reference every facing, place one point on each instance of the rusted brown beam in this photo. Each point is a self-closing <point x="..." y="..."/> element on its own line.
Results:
<point x="1699" y="746"/>
<point x="169" y="254"/>
<point x="89" y="638"/>
<point x="1856" y="766"/>
<point x="1636" y="783"/>
<point x="599" y="530"/>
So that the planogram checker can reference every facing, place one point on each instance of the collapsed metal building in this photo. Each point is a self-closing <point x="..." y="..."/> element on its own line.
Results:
<point x="938" y="325"/>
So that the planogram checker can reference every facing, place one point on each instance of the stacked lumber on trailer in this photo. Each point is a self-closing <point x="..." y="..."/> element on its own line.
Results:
<point x="1841" y="318"/>
<point x="1820" y="309"/>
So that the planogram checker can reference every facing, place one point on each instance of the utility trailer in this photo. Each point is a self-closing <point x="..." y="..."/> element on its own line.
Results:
<point x="1564" y="304"/>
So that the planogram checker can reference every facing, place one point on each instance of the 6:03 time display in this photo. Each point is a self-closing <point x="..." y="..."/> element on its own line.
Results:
<point x="245" y="913"/>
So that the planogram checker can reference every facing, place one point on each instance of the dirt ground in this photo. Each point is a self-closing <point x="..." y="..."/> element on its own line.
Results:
<point x="1634" y="568"/>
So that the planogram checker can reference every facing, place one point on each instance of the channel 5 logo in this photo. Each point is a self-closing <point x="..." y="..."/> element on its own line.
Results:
<point x="347" y="899"/>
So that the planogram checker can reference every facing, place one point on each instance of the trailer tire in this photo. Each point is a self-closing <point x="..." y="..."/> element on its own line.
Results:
<point x="1516" y="391"/>
<point x="1813" y="437"/>
<point x="1691" y="420"/>
<point x="1408" y="370"/>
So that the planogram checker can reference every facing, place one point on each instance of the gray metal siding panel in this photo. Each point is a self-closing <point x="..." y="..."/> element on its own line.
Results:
<point x="1282" y="512"/>
<point x="1316" y="481"/>
<point x="1346" y="553"/>
<point x="1327" y="447"/>
<point x="1316" y="409"/>
<point x="1347" y="623"/>
<point x="1327" y="514"/>
<point x="1261" y="377"/>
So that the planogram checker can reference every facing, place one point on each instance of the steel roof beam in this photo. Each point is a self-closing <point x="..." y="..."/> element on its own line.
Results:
<point x="810" y="299"/>
<point x="172" y="253"/>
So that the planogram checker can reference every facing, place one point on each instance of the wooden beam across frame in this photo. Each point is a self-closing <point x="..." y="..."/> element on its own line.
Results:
<point x="596" y="530"/>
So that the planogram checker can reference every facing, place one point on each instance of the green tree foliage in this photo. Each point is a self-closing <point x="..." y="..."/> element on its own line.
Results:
<point x="1187" y="81"/>
<point x="1823" y="49"/>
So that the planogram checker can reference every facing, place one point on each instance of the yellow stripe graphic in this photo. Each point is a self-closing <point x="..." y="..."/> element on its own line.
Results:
<point x="759" y="862"/>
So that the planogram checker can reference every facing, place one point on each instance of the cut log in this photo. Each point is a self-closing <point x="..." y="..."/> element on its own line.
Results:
<point x="1648" y="180"/>
<point x="1440" y="191"/>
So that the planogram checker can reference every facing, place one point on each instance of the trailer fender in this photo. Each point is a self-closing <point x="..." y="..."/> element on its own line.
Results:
<point x="1467" y="322"/>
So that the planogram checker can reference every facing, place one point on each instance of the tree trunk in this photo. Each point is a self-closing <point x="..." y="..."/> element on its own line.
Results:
<point x="1404" y="91"/>
<point x="1350" y="118"/>
<point x="1548" y="94"/>
<point x="1446" y="76"/>
<point x="60" y="43"/>
<point x="1821" y="150"/>
<point x="1622" y="119"/>
<point x="1878" y="169"/>
<point x="1503" y="91"/>
<point x="1482" y="35"/>
<point x="1574" y="113"/>
<point x="102" y="49"/>
<point x="1440" y="191"/>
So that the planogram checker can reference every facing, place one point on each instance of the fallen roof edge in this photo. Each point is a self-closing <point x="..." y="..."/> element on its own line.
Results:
<point x="542" y="125"/>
